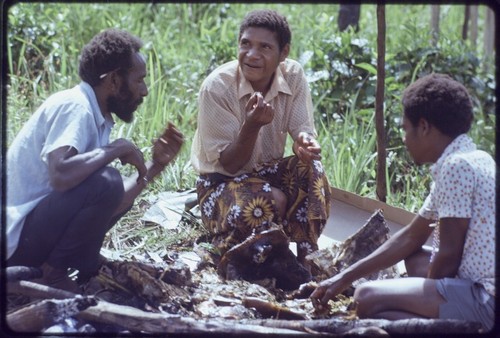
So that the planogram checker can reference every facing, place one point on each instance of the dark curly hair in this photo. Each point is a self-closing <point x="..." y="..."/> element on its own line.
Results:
<point x="442" y="101"/>
<point x="109" y="50"/>
<point x="270" y="20"/>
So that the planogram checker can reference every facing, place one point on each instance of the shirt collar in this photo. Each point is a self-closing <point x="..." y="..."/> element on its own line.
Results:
<point x="279" y="85"/>
<point x="94" y="105"/>
<point x="462" y="143"/>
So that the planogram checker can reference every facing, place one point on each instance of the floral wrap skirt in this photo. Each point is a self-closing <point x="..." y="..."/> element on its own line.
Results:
<point x="232" y="208"/>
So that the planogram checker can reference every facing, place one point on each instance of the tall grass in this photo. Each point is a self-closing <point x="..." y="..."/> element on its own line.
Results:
<point x="183" y="41"/>
<point x="349" y="148"/>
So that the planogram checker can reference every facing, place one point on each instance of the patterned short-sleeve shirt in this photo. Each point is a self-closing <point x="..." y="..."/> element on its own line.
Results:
<point x="464" y="187"/>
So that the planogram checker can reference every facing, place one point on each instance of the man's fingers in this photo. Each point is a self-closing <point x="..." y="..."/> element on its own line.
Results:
<point x="142" y="172"/>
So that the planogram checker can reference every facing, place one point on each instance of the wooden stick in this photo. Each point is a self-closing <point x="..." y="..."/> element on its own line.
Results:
<point x="16" y="273"/>
<point x="381" y="189"/>
<point x="36" y="290"/>
<point x="403" y="326"/>
<point x="45" y="313"/>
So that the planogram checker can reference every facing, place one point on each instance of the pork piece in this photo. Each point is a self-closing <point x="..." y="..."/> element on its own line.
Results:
<point x="265" y="255"/>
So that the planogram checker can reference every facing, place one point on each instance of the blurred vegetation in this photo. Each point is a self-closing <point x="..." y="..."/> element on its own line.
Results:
<point x="185" y="41"/>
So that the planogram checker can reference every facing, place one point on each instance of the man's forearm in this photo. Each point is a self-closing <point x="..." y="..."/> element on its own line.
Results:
<point x="238" y="153"/>
<point x="67" y="169"/>
<point x="397" y="248"/>
<point x="445" y="264"/>
<point x="133" y="187"/>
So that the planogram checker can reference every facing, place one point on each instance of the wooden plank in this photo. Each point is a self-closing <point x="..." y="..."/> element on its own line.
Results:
<point x="395" y="214"/>
<point x="349" y="212"/>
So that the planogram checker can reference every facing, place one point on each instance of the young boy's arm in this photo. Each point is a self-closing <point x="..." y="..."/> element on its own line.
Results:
<point x="401" y="245"/>
<point x="452" y="233"/>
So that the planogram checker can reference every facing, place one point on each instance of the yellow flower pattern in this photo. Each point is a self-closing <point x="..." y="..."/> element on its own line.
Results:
<point x="258" y="211"/>
<point x="233" y="207"/>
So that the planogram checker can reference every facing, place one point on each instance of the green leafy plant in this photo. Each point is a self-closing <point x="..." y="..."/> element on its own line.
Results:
<point x="185" y="41"/>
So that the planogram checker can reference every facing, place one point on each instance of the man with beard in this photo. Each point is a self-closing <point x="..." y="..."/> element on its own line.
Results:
<point x="62" y="195"/>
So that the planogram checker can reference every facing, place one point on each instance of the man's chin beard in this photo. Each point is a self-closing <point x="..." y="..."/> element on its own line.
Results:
<point x="124" y="114"/>
<point x="126" y="117"/>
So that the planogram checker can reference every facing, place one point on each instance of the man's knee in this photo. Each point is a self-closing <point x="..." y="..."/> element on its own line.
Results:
<point x="280" y="200"/>
<point x="417" y="264"/>
<point x="109" y="182"/>
<point x="104" y="187"/>
<point x="363" y="298"/>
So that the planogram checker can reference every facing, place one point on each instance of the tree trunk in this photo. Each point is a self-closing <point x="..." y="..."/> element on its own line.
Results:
<point x="465" y="27"/>
<point x="435" y="24"/>
<point x="489" y="35"/>
<point x="348" y="16"/>
<point x="470" y="24"/>
<point x="379" y="106"/>
<point x="473" y="25"/>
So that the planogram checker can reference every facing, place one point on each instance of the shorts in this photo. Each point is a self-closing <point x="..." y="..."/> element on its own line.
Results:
<point x="466" y="300"/>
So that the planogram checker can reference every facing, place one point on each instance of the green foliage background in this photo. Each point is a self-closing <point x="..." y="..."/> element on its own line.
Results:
<point x="185" y="41"/>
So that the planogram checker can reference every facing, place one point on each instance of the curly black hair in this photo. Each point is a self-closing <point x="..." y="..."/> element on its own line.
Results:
<point x="442" y="101"/>
<point x="270" y="20"/>
<point x="109" y="50"/>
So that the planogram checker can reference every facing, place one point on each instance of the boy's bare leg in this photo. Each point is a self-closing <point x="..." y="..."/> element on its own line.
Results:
<point x="400" y="298"/>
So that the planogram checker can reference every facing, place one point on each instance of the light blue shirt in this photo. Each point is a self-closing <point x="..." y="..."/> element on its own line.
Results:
<point x="68" y="118"/>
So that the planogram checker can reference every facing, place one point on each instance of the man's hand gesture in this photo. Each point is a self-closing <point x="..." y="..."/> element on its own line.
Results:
<point x="167" y="146"/>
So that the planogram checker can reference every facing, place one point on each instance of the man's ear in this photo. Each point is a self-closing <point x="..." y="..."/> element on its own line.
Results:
<point x="115" y="81"/>
<point x="284" y="52"/>
<point x="424" y="126"/>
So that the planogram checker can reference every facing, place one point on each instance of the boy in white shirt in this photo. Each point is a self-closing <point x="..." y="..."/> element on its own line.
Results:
<point x="458" y="280"/>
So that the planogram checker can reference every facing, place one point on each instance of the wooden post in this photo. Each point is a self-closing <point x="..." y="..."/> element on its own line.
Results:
<point x="473" y="25"/>
<point x="435" y="24"/>
<point x="379" y="106"/>
<point x="489" y="35"/>
<point x="465" y="27"/>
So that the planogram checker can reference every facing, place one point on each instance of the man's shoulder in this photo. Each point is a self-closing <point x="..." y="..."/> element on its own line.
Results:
<point x="72" y="102"/>
<point x="469" y="156"/>
<point x="291" y="66"/>
<point x="473" y="162"/>
<point x="224" y="74"/>
<point x="75" y="95"/>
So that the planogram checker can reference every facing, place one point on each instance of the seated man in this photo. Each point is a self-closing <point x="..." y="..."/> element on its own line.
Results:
<point x="459" y="277"/>
<point x="246" y="109"/>
<point x="62" y="195"/>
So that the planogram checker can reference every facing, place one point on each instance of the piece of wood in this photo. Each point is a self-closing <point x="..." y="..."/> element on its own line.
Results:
<point x="45" y="313"/>
<point x="392" y="213"/>
<point x="367" y="239"/>
<point x="435" y="16"/>
<point x="136" y="320"/>
<point x="381" y="178"/>
<point x="16" y="273"/>
<point x="404" y="326"/>
<point x="270" y="309"/>
<point x="36" y="290"/>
